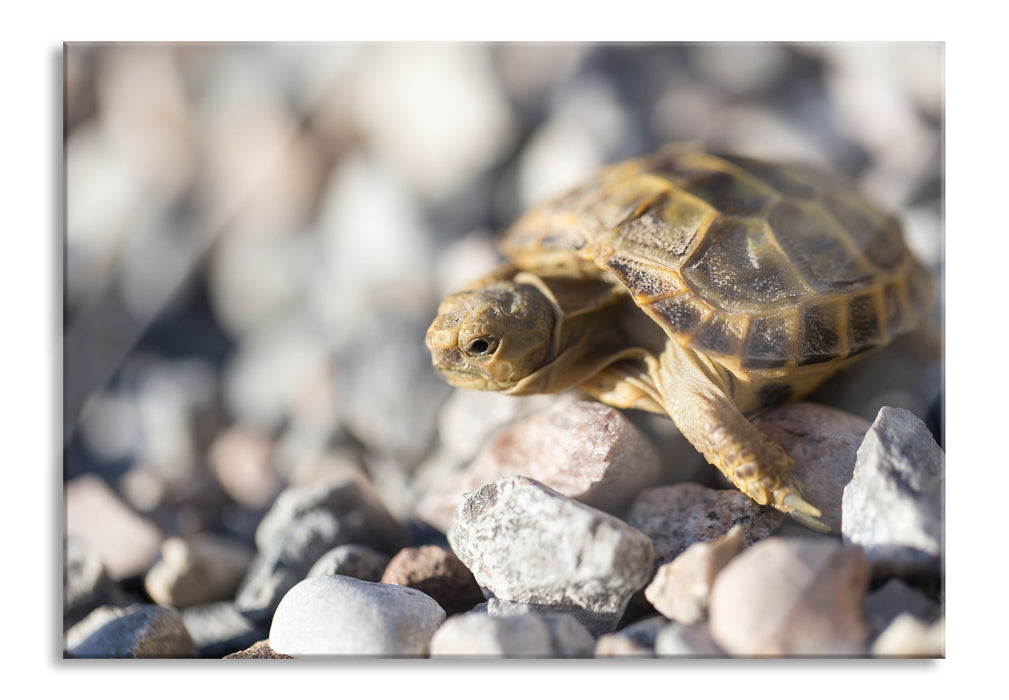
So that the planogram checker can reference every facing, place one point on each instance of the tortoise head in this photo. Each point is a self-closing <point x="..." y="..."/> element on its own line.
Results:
<point x="493" y="337"/>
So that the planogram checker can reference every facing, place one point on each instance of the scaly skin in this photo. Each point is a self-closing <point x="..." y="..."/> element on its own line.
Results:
<point x="697" y="401"/>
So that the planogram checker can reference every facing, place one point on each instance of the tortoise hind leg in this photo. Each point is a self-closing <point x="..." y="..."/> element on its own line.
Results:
<point x="759" y="467"/>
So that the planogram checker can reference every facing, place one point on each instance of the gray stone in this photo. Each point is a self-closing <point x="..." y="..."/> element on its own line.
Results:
<point x="353" y="560"/>
<point x="86" y="583"/>
<point x="522" y="634"/>
<point x="637" y="639"/>
<point x="677" y="639"/>
<point x="135" y="632"/>
<point x="220" y="628"/>
<point x="286" y="560"/>
<point x="199" y="568"/>
<point x="373" y="408"/>
<point x="123" y="540"/>
<point x="675" y="517"/>
<point x="480" y="634"/>
<point x="681" y="588"/>
<point x="529" y="544"/>
<point x="823" y="442"/>
<point x="894" y="506"/>
<point x="336" y="615"/>
<point x="361" y="517"/>
<point x="791" y="596"/>
<point x="895" y="598"/>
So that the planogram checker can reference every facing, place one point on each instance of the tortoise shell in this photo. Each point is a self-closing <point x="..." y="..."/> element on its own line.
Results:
<point x="755" y="264"/>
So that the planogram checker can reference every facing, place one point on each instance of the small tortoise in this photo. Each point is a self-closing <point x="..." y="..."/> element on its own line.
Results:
<point x="700" y="286"/>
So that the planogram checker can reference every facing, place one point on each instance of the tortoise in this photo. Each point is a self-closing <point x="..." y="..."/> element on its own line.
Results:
<point x="691" y="284"/>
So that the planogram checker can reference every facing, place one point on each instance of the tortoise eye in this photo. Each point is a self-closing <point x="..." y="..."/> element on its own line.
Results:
<point x="481" y="346"/>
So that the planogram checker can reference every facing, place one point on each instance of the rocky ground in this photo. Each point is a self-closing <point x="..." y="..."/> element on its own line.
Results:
<point x="259" y="461"/>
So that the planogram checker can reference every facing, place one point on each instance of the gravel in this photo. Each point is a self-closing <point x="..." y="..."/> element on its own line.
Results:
<point x="257" y="238"/>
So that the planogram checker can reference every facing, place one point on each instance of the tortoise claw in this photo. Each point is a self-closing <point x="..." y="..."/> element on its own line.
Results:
<point x="803" y="512"/>
<point x="809" y="521"/>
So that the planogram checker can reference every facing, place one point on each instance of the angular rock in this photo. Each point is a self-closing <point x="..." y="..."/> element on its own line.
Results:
<point x="681" y="588"/>
<point x="529" y="544"/>
<point x="353" y="560"/>
<point x="676" y="639"/>
<point x="823" y="442"/>
<point x="86" y="584"/>
<point x="675" y="517"/>
<point x="894" y="506"/>
<point x="585" y="450"/>
<point x="637" y="639"/>
<point x="200" y="568"/>
<point x="437" y="572"/>
<point x="333" y="615"/>
<point x="219" y="628"/>
<point x="259" y="650"/>
<point x="791" y="596"/>
<point x="135" y="632"/>
<point x="909" y="636"/>
<point x="895" y="598"/>
<point x="524" y="634"/>
<point x="126" y="542"/>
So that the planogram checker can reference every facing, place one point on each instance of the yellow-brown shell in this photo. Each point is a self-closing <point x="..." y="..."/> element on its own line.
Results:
<point x="759" y="265"/>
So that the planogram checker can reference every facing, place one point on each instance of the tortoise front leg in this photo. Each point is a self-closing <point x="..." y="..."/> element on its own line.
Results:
<point x="711" y="422"/>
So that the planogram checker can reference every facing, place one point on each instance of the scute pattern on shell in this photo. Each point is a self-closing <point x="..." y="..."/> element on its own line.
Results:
<point x="760" y="265"/>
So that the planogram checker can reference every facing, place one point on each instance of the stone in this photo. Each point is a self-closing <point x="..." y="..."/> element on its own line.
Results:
<point x="585" y="450"/>
<point x="336" y="615"/>
<point x="199" y="568"/>
<point x="135" y="632"/>
<point x="529" y="544"/>
<point x="86" y="583"/>
<point x="220" y="628"/>
<point x="126" y="542"/>
<point x="437" y="572"/>
<point x="242" y="461"/>
<point x="909" y="636"/>
<point x="792" y="596"/>
<point x="894" y="598"/>
<point x="823" y="441"/>
<point x="894" y="506"/>
<point x="681" y="588"/>
<point x="353" y="560"/>
<point x="386" y="358"/>
<point x="675" y="517"/>
<point x="351" y="499"/>
<point x="676" y="639"/>
<point x="259" y="650"/>
<point x="286" y="560"/>
<point x="524" y="634"/>
<point x="435" y="111"/>
<point x="637" y="639"/>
